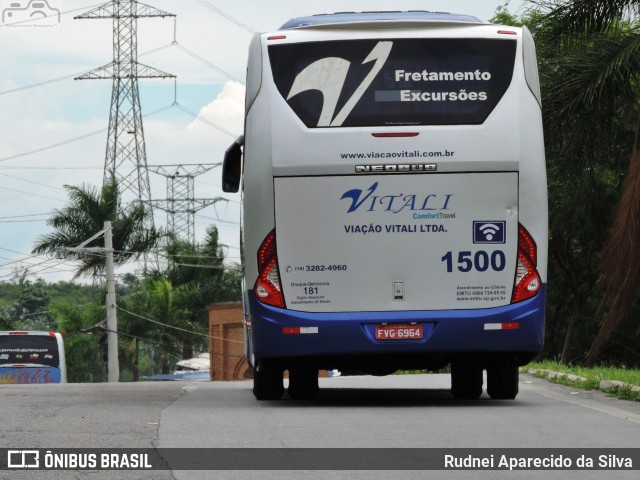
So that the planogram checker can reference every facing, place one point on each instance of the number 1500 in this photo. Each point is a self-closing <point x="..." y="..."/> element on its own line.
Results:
<point x="481" y="261"/>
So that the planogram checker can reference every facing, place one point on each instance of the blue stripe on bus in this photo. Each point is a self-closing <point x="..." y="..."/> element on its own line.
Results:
<point x="340" y="333"/>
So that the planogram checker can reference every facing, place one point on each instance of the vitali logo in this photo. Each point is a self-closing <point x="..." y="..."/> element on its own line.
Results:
<point x="371" y="201"/>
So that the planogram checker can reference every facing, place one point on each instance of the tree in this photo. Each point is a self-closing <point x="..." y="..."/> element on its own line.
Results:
<point x="201" y="278"/>
<point x="590" y="65"/>
<point x="6" y="319"/>
<point x="193" y="264"/>
<point x="150" y="314"/>
<point x="79" y="326"/>
<point x="31" y="309"/>
<point x="85" y="215"/>
<point x="201" y="275"/>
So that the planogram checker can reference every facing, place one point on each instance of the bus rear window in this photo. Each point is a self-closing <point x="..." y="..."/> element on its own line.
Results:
<point x="357" y="83"/>
<point x="29" y="349"/>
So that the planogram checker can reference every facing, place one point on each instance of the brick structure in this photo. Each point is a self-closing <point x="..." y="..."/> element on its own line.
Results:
<point x="226" y="345"/>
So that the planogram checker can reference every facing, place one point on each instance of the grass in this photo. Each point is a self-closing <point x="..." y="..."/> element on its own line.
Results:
<point x="592" y="377"/>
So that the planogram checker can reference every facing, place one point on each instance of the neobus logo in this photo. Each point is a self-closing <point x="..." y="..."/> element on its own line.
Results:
<point x="395" y="168"/>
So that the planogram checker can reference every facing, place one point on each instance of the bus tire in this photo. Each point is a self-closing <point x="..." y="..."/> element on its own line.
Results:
<point x="267" y="380"/>
<point x="303" y="383"/>
<point x="502" y="379"/>
<point x="466" y="380"/>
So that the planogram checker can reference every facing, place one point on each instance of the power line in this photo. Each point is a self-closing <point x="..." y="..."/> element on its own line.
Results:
<point x="219" y="220"/>
<point x="142" y="339"/>
<point x="20" y="253"/>
<point x="89" y="253"/>
<point x="39" y="84"/>
<point x="215" y="257"/>
<point x="175" y="44"/>
<point x="30" y="267"/>
<point x="87" y="135"/>
<point x="31" y="181"/>
<point x="31" y="194"/>
<point x="23" y="221"/>
<point x="74" y="139"/>
<point x="16" y="167"/>
<point x="177" y="328"/>
<point x="205" y="121"/>
<point x="208" y="63"/>
<point x="23" y="216"/>
<point x="55" y="145"/>
<point x="27" y="257"/>
<point x="209" y="184"/>
<point x="74" y="75"/>
<point x="291" y="6"/>
<point x="159" y="343"/>
<point x="204" y="267"/>
<point x="227" y="16"/>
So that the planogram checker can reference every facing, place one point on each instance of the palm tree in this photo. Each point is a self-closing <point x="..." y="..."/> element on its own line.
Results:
<point x="85" y="215"/>
<point x="591" y="60"/>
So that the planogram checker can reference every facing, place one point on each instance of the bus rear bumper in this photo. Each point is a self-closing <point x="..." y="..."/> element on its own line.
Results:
<point x="517" y="328"/>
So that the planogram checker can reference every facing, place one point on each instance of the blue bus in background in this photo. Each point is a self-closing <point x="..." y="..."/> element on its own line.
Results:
<point x="32" y="358"/>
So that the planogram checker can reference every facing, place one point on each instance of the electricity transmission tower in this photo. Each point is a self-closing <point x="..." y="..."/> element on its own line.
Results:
<point x="126" y="156"/>
<point x="181" y="204"/>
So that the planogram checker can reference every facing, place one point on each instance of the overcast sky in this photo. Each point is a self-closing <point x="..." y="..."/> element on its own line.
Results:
<point x="42" y="106"/>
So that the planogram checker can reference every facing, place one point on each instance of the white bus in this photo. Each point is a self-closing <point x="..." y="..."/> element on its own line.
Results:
<point x="32" y="357"/>
<point x="394" y="201"/>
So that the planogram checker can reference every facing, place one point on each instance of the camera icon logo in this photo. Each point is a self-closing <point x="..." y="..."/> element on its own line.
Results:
<point x="23" y="459"/>
<point x="31" y="13"/>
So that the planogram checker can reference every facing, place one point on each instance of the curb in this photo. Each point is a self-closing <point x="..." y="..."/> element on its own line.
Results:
<point x="617" y="385"/>
<point x="609" y="386"/>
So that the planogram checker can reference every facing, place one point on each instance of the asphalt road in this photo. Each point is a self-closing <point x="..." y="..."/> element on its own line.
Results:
<point x="364" y="412"/>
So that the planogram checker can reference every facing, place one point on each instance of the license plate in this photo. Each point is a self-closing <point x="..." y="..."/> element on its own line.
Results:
<point x="399" y="332"/>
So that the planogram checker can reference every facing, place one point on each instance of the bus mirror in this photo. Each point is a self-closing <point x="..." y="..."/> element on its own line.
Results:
<point x="231" y="167"/>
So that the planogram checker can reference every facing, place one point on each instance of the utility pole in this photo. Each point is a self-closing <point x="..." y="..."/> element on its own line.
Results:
<point x="112" y="321"/>
<point x="113" y="365"/>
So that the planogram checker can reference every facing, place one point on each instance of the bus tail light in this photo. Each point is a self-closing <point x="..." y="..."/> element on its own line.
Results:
<point x="527" y="281"/>
<point x="268" y="287"/>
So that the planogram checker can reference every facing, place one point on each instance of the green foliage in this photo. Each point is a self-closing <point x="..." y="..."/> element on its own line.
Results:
<point x="589" y="62"/>
<point x="597" y="373"/>
<point x="6" y="319"/>
<point x="85" y="215"/>
<point x="82" y="340"/>
<point x="591" y="377"/>
<point x="200" y="276"/>
<point x="26" y="303"/>
<point x="504" y="17"/>
<point x="150" y="314"/>
<point x="161" y="318"/>
<point x="30" y="311"/>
